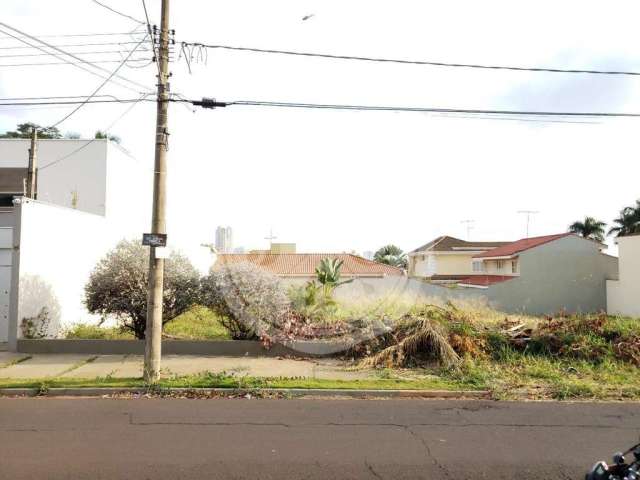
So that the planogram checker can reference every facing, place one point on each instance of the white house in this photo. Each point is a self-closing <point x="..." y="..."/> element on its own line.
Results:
<point x="623" y="295"/>
<point x="90" y="195"/>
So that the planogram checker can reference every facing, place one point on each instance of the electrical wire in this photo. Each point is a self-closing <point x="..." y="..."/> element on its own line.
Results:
<point x="101" y="44"/>
<point x="72" y="102"/>
<point x="150" y="33"/>
<point x="117" y="12"/>
<point x="99" y="87"/>
<point x="75" y="53"/>
<point x="106" y="130"/>
<point x="257" y="103"/>
<point x="44" y="64"/>
<point x="72" y="35"/>
<point x="72" y="56"/>
<point x="413" y="62"/>
<point x="11" y="99"/>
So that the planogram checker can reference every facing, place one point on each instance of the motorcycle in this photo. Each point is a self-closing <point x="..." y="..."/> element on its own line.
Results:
<point x="619" y="469"/>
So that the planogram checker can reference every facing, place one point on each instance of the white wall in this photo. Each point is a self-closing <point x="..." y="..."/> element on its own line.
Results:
<point x="623" y="295"/>
<point x="82" y="172"/>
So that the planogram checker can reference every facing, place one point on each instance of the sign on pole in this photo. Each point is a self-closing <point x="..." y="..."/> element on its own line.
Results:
<point x="154" y="239"/>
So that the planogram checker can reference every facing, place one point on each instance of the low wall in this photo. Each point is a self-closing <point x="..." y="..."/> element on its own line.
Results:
<point x="227" y="348"/>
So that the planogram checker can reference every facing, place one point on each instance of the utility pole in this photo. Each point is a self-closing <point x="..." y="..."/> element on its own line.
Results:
<point x="32" y="172"/>
<point x="528" y="213"/>
<point x="153" y="333"/>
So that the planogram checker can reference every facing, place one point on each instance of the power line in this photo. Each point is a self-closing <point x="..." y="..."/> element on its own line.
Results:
<point x="72" y="35"/>
<point x="70" y="55"/>
<point x="20" y="55"/>
<point x="44" y="64"/>
<point x="210" y="103"/>
<point x="106" y="130"/>
<point x="106" y="80"/>
<point x="412" y="62"/>
<point x="10" y="99"/>
<point x="72" y="102"/>
<point x="101" y="44"/>
<point x="117" y="12"/>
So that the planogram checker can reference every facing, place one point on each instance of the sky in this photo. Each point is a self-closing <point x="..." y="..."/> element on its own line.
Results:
<point x="334" y="181"/>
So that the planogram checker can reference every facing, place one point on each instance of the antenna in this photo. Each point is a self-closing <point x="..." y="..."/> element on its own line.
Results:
<point x="528" y="213"/>
<point x="469" y="224"/>
<point x="271" y="238"/>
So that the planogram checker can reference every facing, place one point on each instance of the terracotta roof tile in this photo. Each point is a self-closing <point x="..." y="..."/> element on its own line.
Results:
<point x="304" y="264"/>
<point x="520" y="246"/>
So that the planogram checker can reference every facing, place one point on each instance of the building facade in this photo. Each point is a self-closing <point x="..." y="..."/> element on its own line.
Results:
<point x="623" y="295"/>
<point x="91" y="194"/>
<point x="224" y="239"/>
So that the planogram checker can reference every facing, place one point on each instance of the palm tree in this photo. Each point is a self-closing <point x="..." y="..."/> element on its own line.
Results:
<point x="628" y="221"/>
<point x="391" y="255"/>
<point x="589" y="228"/>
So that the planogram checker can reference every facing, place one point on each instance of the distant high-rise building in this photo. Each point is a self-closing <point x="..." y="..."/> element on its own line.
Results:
<point x="224" y="239"/>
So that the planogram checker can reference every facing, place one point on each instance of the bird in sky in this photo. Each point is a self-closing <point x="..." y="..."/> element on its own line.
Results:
<point x="307" y="17"/>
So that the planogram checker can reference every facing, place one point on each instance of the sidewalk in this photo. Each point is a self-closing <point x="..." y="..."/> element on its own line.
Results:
<point x="20" y="365"/>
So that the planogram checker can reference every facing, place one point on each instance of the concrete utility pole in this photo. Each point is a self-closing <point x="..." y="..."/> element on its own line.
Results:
<point x="153" y="333"/>
<point x="469" y="224"/>
<point x="32" y="172"/>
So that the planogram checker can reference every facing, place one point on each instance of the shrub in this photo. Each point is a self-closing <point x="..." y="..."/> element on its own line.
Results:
<point x="118" y="286"/>
<point x="36" y="327"/>
<point x="249" y="300"/>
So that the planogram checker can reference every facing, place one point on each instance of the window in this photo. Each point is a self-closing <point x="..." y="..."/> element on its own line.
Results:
<point x="514" y="266"/>
<point x="478" y="267"/>
<point x="499" y="264"/>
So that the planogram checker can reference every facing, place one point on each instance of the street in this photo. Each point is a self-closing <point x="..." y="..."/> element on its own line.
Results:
<point x="67" y="438"/>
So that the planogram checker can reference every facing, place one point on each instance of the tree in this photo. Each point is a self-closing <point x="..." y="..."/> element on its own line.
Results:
<point x="589" y="228"/>
<point x="628" y="221"/>
<point x="391" y="255"/>
<point x="23" y="130"/>
<point x="118" y="286"/>
<point x="104" y="135"/>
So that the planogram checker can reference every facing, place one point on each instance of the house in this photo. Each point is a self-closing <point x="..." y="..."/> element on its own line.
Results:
<point x="544" y="275"/>
<point x="623" y="295"/>
<point x="91" y="194"/>
<point x="299" y="267"/>
<point x="447" y="259"/>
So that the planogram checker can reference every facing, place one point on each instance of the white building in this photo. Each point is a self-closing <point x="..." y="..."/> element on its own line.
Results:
<point x="224" y="239"/>
<point x="91" y="194"/>
<point x="623" y="295"/>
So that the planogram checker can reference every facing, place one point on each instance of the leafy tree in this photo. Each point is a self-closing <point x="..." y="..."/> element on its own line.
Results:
<point x="391" y="255"/>
<point x="118" y="286"/>
<point x="589" y="228"/>
<point x="23" y="130"/>
<point x="104" y="135"/>
<point x="628" y="221"/>
<point x="328" y="275"/>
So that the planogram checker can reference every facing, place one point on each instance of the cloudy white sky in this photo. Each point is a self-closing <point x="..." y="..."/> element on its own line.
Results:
<point x="337" y="181"/>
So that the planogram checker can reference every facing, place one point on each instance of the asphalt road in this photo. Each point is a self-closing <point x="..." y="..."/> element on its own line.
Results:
<point x="307" y="439"/>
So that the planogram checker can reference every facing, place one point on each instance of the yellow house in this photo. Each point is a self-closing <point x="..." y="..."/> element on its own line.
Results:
<point x="448" y="259"/>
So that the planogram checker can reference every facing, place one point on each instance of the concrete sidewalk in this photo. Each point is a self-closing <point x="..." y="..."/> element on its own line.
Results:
<point x="20" y="365"/>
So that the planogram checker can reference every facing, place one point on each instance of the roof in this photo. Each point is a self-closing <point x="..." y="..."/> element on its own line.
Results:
<point x="519" y="246"/>
<point x="446" y="243"/>
<point x="304" y="264"/>
<point x="485" y="280"/>
<point x="11" y="180"/>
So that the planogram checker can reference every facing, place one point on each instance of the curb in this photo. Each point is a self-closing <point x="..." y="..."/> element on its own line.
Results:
<point x="292" y="392"/>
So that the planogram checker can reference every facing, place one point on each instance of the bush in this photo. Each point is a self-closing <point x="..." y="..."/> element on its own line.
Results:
<point x="249" y="300"/>
<point x="118" y="286"/>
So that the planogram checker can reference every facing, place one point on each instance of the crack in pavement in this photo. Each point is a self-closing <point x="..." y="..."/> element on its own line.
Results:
<point x="372" y="471"/>
<point x="428" y="451"/>
<point x="132" y="421"/>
